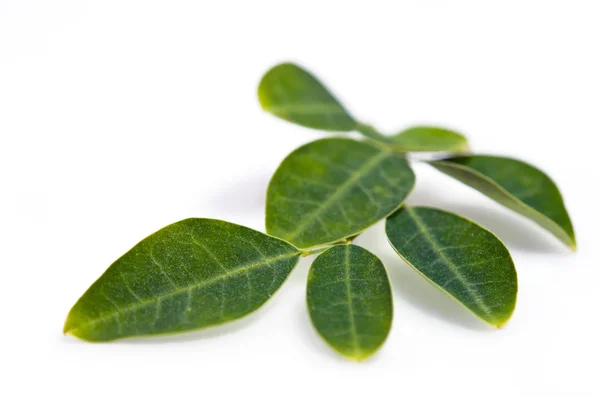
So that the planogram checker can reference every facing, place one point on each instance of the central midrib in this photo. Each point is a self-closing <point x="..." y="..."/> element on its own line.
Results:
<point x="374" y="161"/>
<point x="349" y="302"/>
<point x="186" y="289"/>
<point x="438" y="250"/>
<point x="507" y="199"/>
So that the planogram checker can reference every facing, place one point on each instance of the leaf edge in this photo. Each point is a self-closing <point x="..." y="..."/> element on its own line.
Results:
<point x="569" y="241"/>
<point x="69" y="332"/>
<point x="496" y="325"/>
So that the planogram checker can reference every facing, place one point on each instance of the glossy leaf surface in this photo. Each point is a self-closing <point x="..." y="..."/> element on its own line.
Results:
<point x="334" y="188"/>
<point x="517" y="185"/>
<point x="429" y="139"/>
<point x="293" y="94"/>
<point x="458" y="256"/>
<point x="189" y="275"/>
<point x="349" y="300"/>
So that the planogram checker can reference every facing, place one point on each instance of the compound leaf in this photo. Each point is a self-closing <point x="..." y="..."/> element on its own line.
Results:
<point x="458" y="256"/>
<point x="189" y="275"/>
<point x="516" y="185"/>
<point x="429" y="139"/>
<point x="293" y="94"/>
<point x="350" y="301"/>
<point x="334" y="188"/>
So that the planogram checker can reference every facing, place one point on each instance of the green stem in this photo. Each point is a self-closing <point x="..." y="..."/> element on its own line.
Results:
<point x="370" y="132"/>
<point x="346" y="240"/>
<point x="315" y="251"/>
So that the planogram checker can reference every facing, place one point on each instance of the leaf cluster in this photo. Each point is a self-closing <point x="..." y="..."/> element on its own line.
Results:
<point x="198" y="273"/>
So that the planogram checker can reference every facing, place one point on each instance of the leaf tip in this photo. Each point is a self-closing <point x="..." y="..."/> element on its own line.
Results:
<point x="464" y="147"/>
<point x="500" y="323"/>
<point x="359" y="356"/>
<point x="263" y="89"/>
<point x="67" y="328"/>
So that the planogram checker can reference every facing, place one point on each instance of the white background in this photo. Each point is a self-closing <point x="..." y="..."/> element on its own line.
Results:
<point x="120" y="117"/>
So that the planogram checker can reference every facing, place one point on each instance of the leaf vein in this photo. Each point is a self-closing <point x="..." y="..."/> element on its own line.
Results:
<point x="346" y="186"/>
<point x="192" y="287"/>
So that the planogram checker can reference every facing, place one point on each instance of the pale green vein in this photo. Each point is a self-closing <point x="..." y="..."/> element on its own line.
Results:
<point x="222" y="266"/>
<point x="350" y="304"/>
<point x="143" y="303"/>
<point x="512" y="200"/>
<point x="344" y="188"/>
<point x="451" y="265"/>
<point x="160" y="268"/>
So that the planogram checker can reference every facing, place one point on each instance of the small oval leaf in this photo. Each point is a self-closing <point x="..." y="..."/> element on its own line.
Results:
<point x="293" y="94"/>
<point x="334" y="188"/>
<point x="460" y="257"/>
<point x="189" y="275"/>
<point x="429" y="139"/>
<point x="350" y="301"/>
<point x="516" y="185"/>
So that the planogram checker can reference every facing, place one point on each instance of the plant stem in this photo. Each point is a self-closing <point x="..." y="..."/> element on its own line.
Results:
<point x="371" y="132"/>
<point x="315" y="251"/>
<point x="347" y="240"/>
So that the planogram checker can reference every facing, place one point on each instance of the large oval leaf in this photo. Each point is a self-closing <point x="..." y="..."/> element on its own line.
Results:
<point x="458" y="256"/>
<point x="334" y="188"/>
<point x="429" y="139"/>
<point x="293" y="94"/>
<point x="349" y="300"/>
<point x="189" y="275"/>
<point x="517" y="185"/>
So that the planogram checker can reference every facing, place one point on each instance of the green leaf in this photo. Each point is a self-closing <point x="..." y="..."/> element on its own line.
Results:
<point x="189" y="275"/>
<point x="458" y="256"/>
<point x="349" y="300"/>
<point x="334" y="188"/>
<point x="293" y="94"/>
<point x="517" y="185"/>
<point x="429" y="139"/>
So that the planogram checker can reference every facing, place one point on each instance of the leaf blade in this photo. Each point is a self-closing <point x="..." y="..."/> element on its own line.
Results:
<point x="181" y="278"/>
<point x="459" y="257"/>
<point x="334" y="188"/>
<point x="429" y="139"/>
<point x="516" y="185"/>
<point x="358" y="322"/>
<point x="293" y="94"/>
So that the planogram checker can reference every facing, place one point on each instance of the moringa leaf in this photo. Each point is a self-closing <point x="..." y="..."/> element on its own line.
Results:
<point x="458" y="256"/>
<point x="293" y="94"/>
<point x="334" y="188"/>
<point x="516" y="185"/>
<point x="189" y="275"/>
<point x="350" y="301"/>
<point x="429" y="139"/>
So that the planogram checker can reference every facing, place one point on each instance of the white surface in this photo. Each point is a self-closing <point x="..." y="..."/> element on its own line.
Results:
<point x="120" y="117"/>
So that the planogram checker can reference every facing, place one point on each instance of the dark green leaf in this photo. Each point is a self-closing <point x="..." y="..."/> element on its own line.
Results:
<point x="517" y="185"/>
<point x="293" y="94"/>
<point x="334" y="188"/>
<point x="458" y="256"/>
<point x="189" y="275"/>
<point x="349" y="300"/>
<point x="429" y="139"/>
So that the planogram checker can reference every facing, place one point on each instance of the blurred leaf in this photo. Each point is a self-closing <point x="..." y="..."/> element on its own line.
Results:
<point x="293" y="94"/>
<point x="429" y="139"/>
<point x="516" y="185"/>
